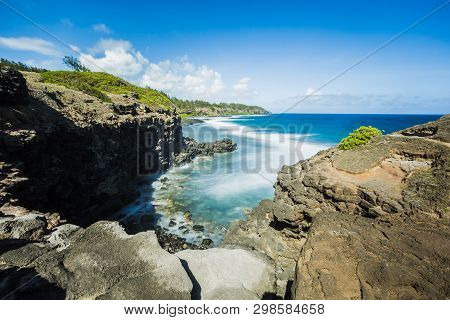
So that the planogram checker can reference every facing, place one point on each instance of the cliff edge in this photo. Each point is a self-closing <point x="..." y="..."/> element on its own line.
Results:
<point x="65" y="151"/>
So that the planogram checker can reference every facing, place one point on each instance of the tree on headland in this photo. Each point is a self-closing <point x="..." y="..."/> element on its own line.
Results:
<point x="75" y="64"/>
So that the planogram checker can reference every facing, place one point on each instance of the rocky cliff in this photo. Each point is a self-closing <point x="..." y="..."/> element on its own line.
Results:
<point x="66" y="154"/>
<point x="372" y="222"/>
<point x="367" y="223"/>
<point x="64" y="151"/>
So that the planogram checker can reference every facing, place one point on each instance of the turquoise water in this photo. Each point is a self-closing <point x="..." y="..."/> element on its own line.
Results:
<point x="218" y="190"/>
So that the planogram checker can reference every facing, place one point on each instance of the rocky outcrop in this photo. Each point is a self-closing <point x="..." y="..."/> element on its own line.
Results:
<point x="13" y="88"/>
<point x="192" y="149"/>
<point x="401" y="179"/>
<point x="67" y="152"/>
<point x="228" y="274"/>
<point x="27" y="227"/>
<point x="101" y="262"/>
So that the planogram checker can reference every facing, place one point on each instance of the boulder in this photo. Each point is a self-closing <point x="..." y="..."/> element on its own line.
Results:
<point x="27" y="227"/>
<point x="192" y="149"/>
<point x="13" y="88"/>
<point x="228" y="274"/>
<point x="103" y="262"/>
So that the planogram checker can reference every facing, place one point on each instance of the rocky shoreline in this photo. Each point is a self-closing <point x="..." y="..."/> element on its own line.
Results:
<point x="367" y="223"/>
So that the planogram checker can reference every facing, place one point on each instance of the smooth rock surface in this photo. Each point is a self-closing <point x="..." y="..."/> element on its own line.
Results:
<point x="225" y="274"/>
<point x="103" y="262"/>
<point x="353" y="257"/>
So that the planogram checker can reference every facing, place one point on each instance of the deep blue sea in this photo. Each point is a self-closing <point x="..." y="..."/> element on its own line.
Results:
<point x="218" y="190"/>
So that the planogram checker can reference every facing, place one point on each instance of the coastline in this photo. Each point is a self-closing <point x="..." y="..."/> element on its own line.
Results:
<point x="175" y="202"/>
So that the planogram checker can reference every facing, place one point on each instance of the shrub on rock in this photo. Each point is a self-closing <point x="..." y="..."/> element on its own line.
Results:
<point x="358" y="137"/>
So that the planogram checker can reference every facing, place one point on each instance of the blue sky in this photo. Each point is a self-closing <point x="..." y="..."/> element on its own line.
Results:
<point x="270" y="53"/>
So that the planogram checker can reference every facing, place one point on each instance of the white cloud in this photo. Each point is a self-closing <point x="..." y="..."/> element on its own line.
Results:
<point x="177" y="77"/>
<point x="74" y="48"/>
<point x="111" y="44"/>
<point x="37" y="45"/>
<point x="119" y="58"/>
<point x="182" y="78"/>
<point x="242" y="88"/>
<point x="242" y="85"/>
<point x="101" y="28"/>
<point x="313" y="92"/>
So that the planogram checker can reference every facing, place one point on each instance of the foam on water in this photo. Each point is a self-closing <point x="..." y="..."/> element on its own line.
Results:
<point x="213" y="192"/>
<point x="217" y="191"/>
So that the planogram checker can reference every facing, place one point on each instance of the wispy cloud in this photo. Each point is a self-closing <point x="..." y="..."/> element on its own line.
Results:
<point x="101" y="28"/>
<point x="242" y="88"/>
<point x="37" y="45"/>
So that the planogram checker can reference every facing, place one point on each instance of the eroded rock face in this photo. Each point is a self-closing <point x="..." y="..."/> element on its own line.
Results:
<point x="67" y="152"/>
<point x="103" y="262"/>
<point x="398" y="178"/>
<point x="353" y="257"/>
<point x="228" y="274"/>
<point x="13" y="88"/>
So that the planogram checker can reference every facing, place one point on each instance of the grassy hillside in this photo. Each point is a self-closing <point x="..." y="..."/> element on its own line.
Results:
<point x="189" y="108"/>
<point x="98" y="83"/>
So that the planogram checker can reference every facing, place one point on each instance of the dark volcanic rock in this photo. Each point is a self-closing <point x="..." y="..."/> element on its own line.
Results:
<point x="191" y="121"/>
<point x="198" y="228"/>
<point x="192" y="149"/>
<point x="173" y="243"/>
<point x="59" y="154"/>
<point x="13" y="87"/>
<point x="207" y="243"/>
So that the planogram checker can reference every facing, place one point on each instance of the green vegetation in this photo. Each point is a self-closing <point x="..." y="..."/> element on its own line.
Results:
<point x="192" y="108"/>
<point x="19" y="66"/>
<point x="358" y="137"/>
<point x="98" y="83"/>
<point x="74" y="64"/>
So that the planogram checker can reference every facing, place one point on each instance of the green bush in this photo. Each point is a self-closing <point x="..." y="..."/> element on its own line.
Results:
<point x="358" y="137"/>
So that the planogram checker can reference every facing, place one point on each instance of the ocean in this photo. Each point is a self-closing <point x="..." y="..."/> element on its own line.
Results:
<point x="213" y="192"/>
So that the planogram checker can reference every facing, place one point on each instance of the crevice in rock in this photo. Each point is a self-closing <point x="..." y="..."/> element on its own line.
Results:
<point x="196" y="289"/>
